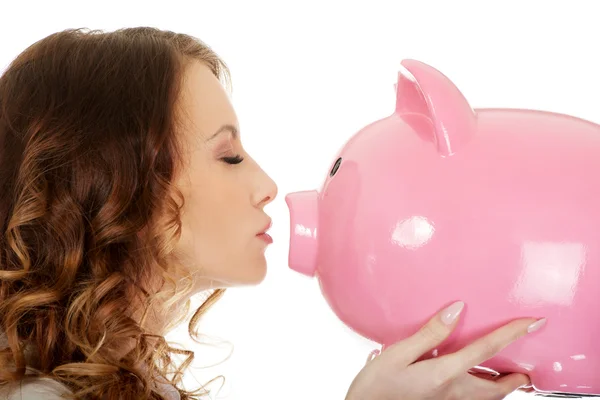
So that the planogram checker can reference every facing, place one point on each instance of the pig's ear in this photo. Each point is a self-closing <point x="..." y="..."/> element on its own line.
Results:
<point x="424" y="90"/>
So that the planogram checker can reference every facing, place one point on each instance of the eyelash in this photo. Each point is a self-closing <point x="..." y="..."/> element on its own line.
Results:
<point x="233" y="160"/>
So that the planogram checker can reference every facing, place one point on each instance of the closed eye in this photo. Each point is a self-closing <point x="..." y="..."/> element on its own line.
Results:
<point x="233" y="160"/>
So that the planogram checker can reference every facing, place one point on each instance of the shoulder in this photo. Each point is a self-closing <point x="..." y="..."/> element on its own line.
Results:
<point x="33" y="389"/>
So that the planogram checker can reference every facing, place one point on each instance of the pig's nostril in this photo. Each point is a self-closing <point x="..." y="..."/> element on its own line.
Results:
<point x="336" y="166"/>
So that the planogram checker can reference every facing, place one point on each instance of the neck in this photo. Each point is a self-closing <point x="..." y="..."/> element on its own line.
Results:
<point x="160" y="318"/>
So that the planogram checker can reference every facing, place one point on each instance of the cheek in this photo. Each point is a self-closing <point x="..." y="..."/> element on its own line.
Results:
<point x="212" y="219"/>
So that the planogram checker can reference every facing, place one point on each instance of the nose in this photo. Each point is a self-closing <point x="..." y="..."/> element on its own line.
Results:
<point x="266" y="191"/>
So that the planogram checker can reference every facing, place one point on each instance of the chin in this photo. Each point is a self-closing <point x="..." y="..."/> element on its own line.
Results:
<point x="256" y="274"/>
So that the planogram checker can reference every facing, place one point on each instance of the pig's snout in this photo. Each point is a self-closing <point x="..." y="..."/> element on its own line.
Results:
<point x="304" y="218"/>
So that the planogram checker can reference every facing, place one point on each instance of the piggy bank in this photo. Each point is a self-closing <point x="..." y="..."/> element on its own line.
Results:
<point x="440" y="202"/>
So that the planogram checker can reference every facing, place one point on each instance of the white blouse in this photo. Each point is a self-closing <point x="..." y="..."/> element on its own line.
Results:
<point x="37" y="388"/>
<point x="34" y="389"/>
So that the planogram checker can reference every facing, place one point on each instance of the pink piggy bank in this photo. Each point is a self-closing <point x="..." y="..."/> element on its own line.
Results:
<point x="439" y="202"/>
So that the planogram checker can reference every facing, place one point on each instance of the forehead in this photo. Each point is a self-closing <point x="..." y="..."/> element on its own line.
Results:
<point x="204" y="103"/>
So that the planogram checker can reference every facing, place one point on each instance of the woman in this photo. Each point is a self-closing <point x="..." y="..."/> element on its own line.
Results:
<point x="125" y="191"/>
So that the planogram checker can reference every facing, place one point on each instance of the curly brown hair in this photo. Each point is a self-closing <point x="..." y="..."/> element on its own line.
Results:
<point x="89" y="214"/>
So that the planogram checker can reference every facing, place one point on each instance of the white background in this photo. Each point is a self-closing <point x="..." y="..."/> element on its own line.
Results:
<point x="307" y="76"/>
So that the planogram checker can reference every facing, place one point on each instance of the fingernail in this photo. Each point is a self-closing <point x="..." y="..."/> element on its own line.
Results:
<point x="537" y="325"/>
<point x="450" y="314"/>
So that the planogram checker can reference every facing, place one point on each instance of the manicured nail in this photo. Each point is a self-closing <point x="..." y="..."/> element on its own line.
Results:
<point x="450" y="314"/>
<point x="536" y="325"/>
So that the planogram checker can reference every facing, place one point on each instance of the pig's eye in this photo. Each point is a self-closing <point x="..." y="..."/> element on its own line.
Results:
<point x="336" y="166"/>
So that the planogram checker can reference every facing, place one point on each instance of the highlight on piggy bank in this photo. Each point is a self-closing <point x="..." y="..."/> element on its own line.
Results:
<point x="441" y="202"/>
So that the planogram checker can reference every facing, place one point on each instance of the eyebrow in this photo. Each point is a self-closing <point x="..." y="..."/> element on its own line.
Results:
<point x="225" y="128"/>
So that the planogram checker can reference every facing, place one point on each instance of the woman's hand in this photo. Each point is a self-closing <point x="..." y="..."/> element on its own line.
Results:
<point x="397" y="374"/>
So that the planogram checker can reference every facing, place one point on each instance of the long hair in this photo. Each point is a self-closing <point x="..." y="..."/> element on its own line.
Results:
<point x="88" y="210"/>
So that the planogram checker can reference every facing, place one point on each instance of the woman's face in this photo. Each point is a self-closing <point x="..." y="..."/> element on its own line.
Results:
<point x="225" y="190"/>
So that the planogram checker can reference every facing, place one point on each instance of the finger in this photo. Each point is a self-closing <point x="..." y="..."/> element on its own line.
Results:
<point x="527" y="389"/>
<point x="372" y="355"/>
<point x="431" y="335"/>
<point x="501" y="378"/>
<point x="510" y="383"/>
<point x="479" y="370"/>
<point x="484" y="375"/>
<point x="488" y="346"/>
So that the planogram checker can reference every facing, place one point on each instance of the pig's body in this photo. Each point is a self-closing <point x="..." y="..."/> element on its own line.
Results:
<point x="437" y="203"/>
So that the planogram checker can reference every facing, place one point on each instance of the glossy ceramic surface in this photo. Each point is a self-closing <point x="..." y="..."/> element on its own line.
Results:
<point x="438" y="202"/>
